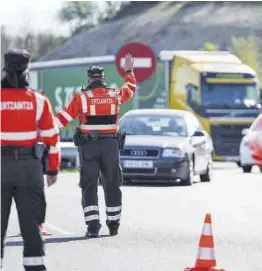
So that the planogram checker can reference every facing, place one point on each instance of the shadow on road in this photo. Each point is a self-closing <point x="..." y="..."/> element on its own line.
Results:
<point x="54" y="240"/>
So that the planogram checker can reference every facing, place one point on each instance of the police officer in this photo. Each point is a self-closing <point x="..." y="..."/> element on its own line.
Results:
<point x="26" y="116"/>
<point x="98" y="108"/>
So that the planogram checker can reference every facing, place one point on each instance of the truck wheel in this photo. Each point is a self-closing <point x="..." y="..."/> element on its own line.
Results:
<point x="238" y="163"/>
<point x="246" y="169"/>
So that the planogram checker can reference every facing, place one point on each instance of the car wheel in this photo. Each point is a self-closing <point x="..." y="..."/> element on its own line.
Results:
<point x="261" y="169"/>
<point x="206" y="177"/>
<point x="190" y="174"/>
<point x="246" y="169"/>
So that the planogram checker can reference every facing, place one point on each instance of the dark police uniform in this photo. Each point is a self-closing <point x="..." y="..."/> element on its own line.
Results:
<point x="98" y="139"/>
<point x="26" y="115"/>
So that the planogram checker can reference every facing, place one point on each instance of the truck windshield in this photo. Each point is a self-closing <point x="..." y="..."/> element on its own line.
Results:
<point x="230" y="95"/>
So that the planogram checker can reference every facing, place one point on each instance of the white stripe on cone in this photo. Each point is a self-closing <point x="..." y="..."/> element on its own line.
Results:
<point x="207" y="229"/>
<point x="139" y="62"/>
<point x="205" y="253"/>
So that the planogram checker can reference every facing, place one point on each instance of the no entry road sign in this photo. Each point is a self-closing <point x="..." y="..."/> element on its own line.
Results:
<point x="144" y="60"/>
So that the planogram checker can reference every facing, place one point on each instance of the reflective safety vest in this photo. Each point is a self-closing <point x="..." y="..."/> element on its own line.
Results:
<point x="98" y="108"/>
<point x="26" y="118"/>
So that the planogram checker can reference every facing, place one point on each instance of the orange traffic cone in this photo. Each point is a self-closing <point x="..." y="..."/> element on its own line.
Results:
<point x="44" y="233"/>
<point x="206" y="259"/>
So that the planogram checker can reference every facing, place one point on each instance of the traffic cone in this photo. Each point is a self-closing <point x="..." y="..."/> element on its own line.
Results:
<point x="206" y="259"/>
<point x="44" y="233"/>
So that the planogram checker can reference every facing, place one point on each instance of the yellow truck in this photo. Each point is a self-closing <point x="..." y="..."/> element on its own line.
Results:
<point x="219" y="89"/>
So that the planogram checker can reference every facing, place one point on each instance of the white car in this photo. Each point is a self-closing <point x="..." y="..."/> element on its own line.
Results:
<point x="251" y="146"/>
<point x="69" y="155"/>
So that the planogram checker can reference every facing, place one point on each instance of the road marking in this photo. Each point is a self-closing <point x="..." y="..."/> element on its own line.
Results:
<point x="139" y="62"/>
<point x="55" y="228"/>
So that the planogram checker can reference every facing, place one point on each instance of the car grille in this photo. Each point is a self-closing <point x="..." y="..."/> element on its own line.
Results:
<point x="140" y="152"/>
<point x="226" y="138"/>
<point x="139" y="171"/>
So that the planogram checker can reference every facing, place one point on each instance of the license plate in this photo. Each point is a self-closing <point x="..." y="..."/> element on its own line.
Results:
<point x="138" y="164"/>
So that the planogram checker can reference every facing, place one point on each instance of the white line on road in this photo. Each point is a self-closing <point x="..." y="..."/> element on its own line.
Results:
<point x="55" y="228"/>
<point x="139" y="62"/>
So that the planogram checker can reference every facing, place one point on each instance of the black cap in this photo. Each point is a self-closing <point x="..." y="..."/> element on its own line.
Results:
<point x="95" y="72"/>
<point x="17" y="60"/>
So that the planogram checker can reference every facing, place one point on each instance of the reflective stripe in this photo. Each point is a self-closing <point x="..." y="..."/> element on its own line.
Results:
<point x="207" y="230"/>
<point x="205" y="253"/>
<point x="55" y="149"/>
<point x="39" y="105"/>
<point x="84" y="102"/>
<point x="112" y="93"/>
<point x="98" y="127"/>
<point x="131" y="85"/>
<point x="89" y="94"/>
<point x="91" y="208"/>
<point x="33" y="261"/>
<point x="19" y="136"/>
<point x="59" y="123"/>
<point x="131" y="93"/>
<point x="92" y="110"/>
<point x="113" y="217"/>
<point x="113" y="109"/>
<point x="49" y="132"/>
<point x="92" y="217"/>
<point x="66" y="115"/>
<point x="113" y="209"/>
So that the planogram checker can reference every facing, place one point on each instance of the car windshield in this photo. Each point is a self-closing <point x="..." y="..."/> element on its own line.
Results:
<point x="154" y="125"/>
<point x="230" y="95"/>
<point x="257" y="124"/>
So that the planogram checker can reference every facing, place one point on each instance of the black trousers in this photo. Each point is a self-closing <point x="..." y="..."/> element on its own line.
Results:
<point x="101" y="157"/>
<point x="22" y="180"/>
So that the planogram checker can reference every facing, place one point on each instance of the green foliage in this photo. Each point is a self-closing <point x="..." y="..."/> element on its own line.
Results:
<point x="247" y="50"/>
<point x="209" y="46"/>
<point x="79" y="14"/>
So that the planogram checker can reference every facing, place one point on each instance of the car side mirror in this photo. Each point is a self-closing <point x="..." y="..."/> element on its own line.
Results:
<point x="198" y="133"/>
<point x="244" y="131"/>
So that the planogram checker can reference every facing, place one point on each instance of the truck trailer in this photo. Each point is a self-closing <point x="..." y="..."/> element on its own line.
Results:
<point x="221" y="91"/>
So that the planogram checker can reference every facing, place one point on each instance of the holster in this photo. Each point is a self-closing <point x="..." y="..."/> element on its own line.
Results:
<point x="45" y="158"/>
<point x="121" y="137"/>
<point x="77" y="137"/>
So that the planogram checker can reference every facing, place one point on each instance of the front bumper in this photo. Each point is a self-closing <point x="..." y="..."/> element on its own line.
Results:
<point x="246" y="158"/>
<point x="165" y="169"/>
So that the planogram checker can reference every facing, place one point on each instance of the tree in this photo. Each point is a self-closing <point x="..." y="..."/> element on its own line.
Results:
<point x="247" y="50"/>
<point x="79" y="14"/>
<point x="5" y="43"/>
<point x="111" y="8"/>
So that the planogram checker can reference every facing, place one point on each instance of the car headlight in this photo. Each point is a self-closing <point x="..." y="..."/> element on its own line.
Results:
<point x="173" y="152"/>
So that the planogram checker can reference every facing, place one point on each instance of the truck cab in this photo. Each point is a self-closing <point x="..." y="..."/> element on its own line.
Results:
<point x="220" y="90"/>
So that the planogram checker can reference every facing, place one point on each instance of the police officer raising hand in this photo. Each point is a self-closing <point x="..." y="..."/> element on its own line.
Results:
<point x="27" y="117"/>
<point x="98" y="140"/>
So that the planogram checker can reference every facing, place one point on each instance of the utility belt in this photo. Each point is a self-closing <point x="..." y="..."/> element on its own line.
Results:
<point x="17" y="151"/>
<point x="81" y="138"/>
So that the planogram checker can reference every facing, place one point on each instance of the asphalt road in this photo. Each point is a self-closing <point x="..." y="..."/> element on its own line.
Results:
<point x="161" y="226"/>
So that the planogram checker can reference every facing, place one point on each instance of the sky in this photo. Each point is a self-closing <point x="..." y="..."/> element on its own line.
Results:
<point x="36" y="16"/>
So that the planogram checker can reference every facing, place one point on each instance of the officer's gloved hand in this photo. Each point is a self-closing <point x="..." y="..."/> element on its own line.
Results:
<point x="51" y="179"/>
<point x="129" y="63"/>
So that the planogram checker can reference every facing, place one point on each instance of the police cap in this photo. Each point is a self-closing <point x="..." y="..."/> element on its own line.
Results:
<point x="17" y="60"/>
<point x="95" y="72"/>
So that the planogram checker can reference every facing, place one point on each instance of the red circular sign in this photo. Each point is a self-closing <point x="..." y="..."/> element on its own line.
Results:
<point x="144" y="60"/>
